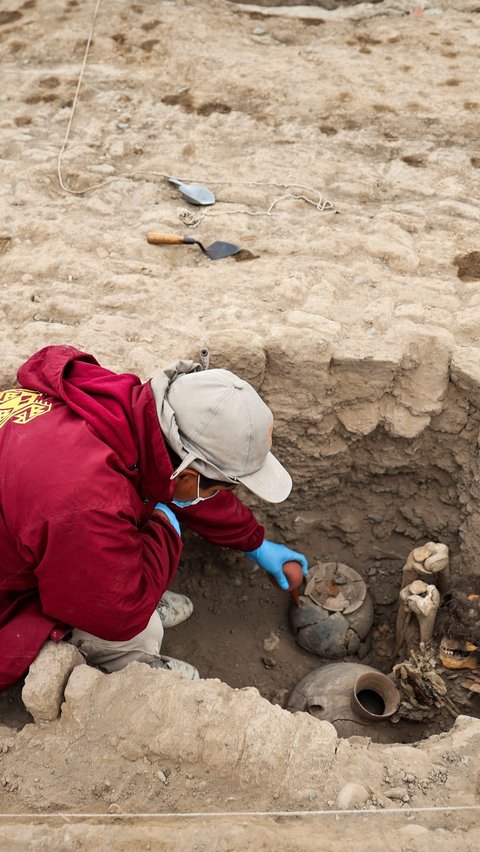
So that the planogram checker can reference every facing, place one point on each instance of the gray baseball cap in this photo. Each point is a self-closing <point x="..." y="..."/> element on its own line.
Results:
<point x="218" y="424"/>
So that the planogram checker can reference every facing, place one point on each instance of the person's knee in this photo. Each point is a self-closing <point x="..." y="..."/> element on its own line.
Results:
<point x="113" y="656"/>
<point x="153" y="633"/>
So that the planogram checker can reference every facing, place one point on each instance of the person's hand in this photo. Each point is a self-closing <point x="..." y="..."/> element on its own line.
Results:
<point x="272" y="556"/>
<point x="170" y="516"/>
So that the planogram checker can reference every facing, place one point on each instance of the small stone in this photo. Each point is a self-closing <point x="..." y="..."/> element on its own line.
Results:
<point x="101" y="169"/>
<point x="362" y="650"/>
<point x="352" y="795"/>
<point x="271" y="642"/>
<point x="27" y="279"/>
<point x="80" y="685"/>
<point x="413" y="831"/>
<point x="123" y="125"/>
<point x="258" y="31"/>
<point x="279" y="697"/>
<point x="210" y="569"/>
<point x="410" y="779"/>
<point x="161" y="776"/>
<point x="269" y="662"/>
<point x="395" y="793"/>
<point x="117" y="148"/>
<point x="356" y="739"/>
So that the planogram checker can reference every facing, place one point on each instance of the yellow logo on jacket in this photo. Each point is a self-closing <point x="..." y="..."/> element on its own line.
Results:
<point x="21" y="405"/>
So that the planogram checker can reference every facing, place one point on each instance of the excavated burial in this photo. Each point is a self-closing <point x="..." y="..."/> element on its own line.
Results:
<point x="383" y="454"/>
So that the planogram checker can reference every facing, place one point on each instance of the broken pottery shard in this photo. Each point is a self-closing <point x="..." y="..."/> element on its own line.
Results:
<point x="336" y="604"/>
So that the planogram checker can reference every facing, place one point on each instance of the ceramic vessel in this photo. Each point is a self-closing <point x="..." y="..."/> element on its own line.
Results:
<point x="335" y="612"/>
<point x="356" y="699"/>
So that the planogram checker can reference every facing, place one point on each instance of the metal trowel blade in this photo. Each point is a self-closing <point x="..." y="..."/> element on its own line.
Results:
<point x="194" y="194"/>
<point x="220" y="249"/>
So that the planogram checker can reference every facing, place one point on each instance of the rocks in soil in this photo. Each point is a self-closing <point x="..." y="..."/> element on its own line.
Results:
<point x="271" y="642"/>
<point x="352" y="795"/>
<point x="44" y="686"/>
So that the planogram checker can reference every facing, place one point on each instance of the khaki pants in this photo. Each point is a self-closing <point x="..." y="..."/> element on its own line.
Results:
<point x="113" y="656"/>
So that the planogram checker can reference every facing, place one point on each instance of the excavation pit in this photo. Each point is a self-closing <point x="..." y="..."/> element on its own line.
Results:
<point x="383" y="453"/>
<point x="384" y="458"/>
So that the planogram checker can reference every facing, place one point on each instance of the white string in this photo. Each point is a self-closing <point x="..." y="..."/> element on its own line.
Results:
<point x="322" y="205"/>
<point x="222" y="814"/>
<point x="74" y="105"/>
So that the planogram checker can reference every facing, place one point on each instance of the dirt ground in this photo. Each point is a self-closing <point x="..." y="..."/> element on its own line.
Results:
<point x="341" y="141"/>
<point x="243" y="611"/>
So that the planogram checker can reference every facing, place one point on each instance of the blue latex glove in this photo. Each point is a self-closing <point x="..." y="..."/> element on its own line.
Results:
<point x="272" y="556"/>
<point x="161" y="507"/>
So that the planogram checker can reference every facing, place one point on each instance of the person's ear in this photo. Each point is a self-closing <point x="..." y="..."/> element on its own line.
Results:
<point x="187" y="473"/>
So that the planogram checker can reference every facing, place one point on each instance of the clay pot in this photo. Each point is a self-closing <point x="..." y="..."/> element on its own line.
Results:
<point x="356" y="699"/>
<point x="335" y="612"/>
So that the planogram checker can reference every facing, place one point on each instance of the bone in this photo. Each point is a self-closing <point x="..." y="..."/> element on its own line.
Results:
<point x="403" y="620"/>
<point x="425" y="609"/>
<point x="449" y="660"/>
<point x="432" y="561"/>
<point x="422" y="600"/>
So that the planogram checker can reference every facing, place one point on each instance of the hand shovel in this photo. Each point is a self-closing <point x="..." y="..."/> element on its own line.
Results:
<point x="194" y="194"/>
<point x="214" y="251"/>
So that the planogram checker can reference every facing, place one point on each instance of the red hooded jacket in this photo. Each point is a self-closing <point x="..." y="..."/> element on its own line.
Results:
<point x="82" y="464"/>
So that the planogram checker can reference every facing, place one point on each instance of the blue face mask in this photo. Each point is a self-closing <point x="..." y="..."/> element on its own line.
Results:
<point x="184" y="503"/>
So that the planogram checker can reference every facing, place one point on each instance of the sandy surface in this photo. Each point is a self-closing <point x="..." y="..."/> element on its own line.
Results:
<point x="378" y="115"/>
<point x="218" y="834"/>
<point x="371" y="107"/>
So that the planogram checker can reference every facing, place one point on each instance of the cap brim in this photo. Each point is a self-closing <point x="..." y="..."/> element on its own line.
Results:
<point x="271" y="482"/>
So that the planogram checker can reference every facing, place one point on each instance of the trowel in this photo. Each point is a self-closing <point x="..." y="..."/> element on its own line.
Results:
<point x="214" y="251"/>
<point x="194" y="194"/>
